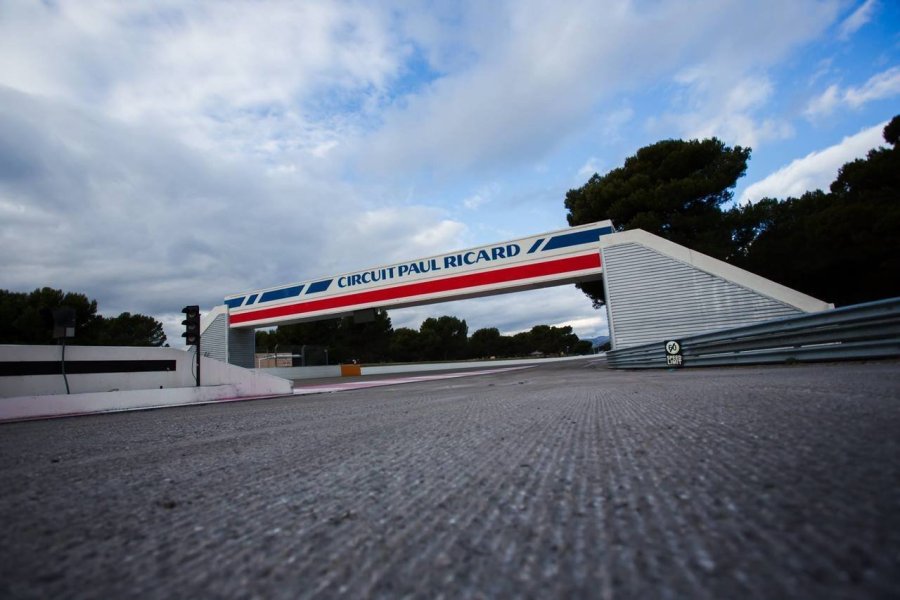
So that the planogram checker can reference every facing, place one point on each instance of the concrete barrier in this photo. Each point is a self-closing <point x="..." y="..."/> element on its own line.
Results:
<point x="296" y="373"/>
<point x="118" y="378"/>
<point x="321" y="372"/>
<point x="64" y="405"/>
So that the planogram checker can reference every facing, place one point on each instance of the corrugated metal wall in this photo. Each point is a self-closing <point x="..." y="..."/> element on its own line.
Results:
<point x="241" y="347"/>
<point x="214" y="339"/>
<point x="235" y="346"/>
<point x="652" y="297"/>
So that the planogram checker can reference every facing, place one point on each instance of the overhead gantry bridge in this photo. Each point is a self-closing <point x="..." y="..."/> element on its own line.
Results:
<point x="654" y="288"/>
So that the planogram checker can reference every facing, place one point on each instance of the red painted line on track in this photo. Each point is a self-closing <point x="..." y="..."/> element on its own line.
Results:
<point x="422" y="288"/>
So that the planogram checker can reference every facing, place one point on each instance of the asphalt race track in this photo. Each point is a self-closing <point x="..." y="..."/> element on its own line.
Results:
<point x="561" y="481"/>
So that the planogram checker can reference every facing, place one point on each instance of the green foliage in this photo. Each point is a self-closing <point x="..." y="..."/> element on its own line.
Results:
<point x="26" y="318"/>
<point x="132" y="330"/>
<point x="581" y="348"/>
<point x="840" y="245"/>
<point x="672" y="188"/>
<point x="363" y="342"/>
<point x="552" y="340"/>
<point x="442" y="338"/>
<point x="405" y="345"/>
<point x="345" y="340"/>
<point x="287" y="337"/>
<point x="486" y="343"/>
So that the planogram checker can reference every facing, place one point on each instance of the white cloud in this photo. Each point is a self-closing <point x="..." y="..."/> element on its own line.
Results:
<point x="588" y="327"/>
<point x="733" y="118"/>
<point x="727" y="90"/>
<point x="857" y="19"/>
<point x="816" y="170"/>
<point x="589" y="168"/>
<point x="484" y="195"/>
<point x="234" y="77"/>
<point x="285" y="82"/>
<point x="146" y="224"/>
<point x="475" y="200"/>
<point x="615" y="121"/>
<point x="878" y="87"/>
<point x="548" y="64"/>
<point x="825" y="104"/>
<point x="390" y="234"/>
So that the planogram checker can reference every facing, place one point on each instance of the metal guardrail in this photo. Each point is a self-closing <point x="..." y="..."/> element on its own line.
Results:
<point x="861" y="331"/>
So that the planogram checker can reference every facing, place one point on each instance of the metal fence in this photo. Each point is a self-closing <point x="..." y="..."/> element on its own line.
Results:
<point x="861" y="331"/>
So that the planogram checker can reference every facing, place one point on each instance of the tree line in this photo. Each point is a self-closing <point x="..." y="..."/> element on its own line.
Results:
<point x="839" y="246"/>
<point x="441" y="338"/>
<point x="27" y="318"/>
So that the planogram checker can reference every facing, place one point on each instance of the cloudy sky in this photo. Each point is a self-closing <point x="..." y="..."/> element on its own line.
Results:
<point x="157" y="154"/>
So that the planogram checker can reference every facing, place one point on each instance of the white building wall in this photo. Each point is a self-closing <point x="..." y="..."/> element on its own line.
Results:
<point x="213" y="372"/>
<point x="33" y="385"/>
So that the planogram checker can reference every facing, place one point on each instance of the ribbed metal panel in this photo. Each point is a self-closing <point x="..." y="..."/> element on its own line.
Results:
<point x="214" y="340"/>
<point x="241" y="347"/>
<point x="653" y="297"/>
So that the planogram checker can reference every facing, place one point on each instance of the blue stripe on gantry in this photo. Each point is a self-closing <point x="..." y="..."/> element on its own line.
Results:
<point x="289" y="292"/>
<point x="576" y="239"/>
<point x="536" y="245"/>
<point x="319" y="286"/>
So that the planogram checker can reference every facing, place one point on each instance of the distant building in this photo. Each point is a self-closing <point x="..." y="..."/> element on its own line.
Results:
<point x="269" y="360"/>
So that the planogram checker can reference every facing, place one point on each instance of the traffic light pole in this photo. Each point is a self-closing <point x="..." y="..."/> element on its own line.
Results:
<point x="191" y="334"/>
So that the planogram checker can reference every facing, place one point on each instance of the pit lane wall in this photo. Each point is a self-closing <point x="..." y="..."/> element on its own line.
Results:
<point x="296" y="373"/>
<point x="103" y="379"/>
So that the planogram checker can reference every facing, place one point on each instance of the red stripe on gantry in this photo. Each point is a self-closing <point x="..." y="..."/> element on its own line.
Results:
<point x="422" y="288"/>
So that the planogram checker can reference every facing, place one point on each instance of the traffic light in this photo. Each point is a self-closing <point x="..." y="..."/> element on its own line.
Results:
<point x="191" y="324"/>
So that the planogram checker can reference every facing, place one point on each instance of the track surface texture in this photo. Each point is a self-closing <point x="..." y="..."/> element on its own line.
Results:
<point x="562" y="481"/>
